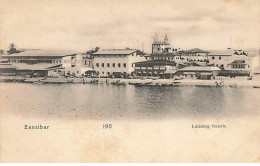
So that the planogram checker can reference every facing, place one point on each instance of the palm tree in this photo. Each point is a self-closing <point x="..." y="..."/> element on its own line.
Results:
<point x="12" y="49"/>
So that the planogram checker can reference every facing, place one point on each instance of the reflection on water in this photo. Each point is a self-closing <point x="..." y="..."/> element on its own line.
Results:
<point x="124" y="102"/>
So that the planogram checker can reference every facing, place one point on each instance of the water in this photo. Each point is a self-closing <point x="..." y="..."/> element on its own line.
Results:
<point x="91" y="101"/>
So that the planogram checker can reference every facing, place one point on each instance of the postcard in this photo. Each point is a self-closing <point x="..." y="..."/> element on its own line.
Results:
<point x="133" y="81"/>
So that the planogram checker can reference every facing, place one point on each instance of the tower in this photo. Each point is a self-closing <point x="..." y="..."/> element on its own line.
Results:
<point x="161" y="46"/>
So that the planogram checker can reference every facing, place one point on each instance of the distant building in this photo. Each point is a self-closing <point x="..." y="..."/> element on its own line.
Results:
<point x="162" y="46"/>
<point x="231" y="60"/>
<point x="117" y="62"/>
<point x="194" y="54"/>
<point x="175" y="57"/>
<point x="220" y="58"/>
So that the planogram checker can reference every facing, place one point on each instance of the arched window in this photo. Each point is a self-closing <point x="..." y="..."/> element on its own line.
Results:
<point x="124" y="64"/>
<point x="119" y="64"/>
<point x="114" y="65"/>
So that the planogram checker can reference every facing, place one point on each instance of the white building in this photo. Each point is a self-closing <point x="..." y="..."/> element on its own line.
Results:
<point x="116" y="61"/>
<point x="73" y="65"/>
<point x="194" y="55"/>
<point x="231" y="60"/>
<point x="77" y="65"/>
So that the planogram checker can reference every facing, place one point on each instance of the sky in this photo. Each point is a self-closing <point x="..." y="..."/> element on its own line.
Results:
<point x="83" y="24"/>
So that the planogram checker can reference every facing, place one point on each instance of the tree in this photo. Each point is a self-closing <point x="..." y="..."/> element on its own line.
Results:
<point x="222" y="67"/>
<point x="93" y="50"/>
<point x="1" y="51"/>
<point x="12" y="49"/>
<point x="96" y="49"/>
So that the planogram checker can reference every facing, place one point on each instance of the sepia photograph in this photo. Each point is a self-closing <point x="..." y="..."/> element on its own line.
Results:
<point x="129" y="81"/>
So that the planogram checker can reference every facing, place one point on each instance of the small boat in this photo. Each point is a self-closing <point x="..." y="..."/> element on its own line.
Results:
<point x="176" y="82"/>
<point x="118" y="83"/>
<point x="256" y="86"/>
<point x="219" y="84"/>
<point x="233" y="85"/>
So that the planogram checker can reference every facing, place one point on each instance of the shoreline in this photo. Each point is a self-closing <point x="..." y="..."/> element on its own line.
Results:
<point x="120" y="81"/>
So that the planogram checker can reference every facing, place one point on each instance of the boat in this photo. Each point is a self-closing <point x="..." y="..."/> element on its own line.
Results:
<point x="233" y="85"/>
<point x="219" y="84"/>
<point x="176" y="82"/>
<point x="256" y="86"/>
<point x="118" y="83"/>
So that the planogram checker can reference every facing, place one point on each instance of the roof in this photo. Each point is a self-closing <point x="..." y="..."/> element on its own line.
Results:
<point x="22" y="66"/>
<point x="170" y="71"/>
<point x="6" y="66"/>
<point x="164" y="55"/>
<point x="220" y="53"/>
<point x="200" y="68"/>
<point x="117" y="52"/>
<point x="196" y="50"/>
<point x="45" y="53"/>
<point x="155" y="62"/>
<point x="206" y="74"/>
<point x="238" y="61"/>
<point x="200" y="63"/>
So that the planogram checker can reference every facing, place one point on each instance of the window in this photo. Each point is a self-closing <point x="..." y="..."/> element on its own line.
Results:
<point x="114" y="65"/>
<point x="108" y="73"/>
<point x="124" y="64"/>
<point x="132" y="65"/>
<point x="102" y="65"/>
<point x="119" y="65"/>
<point x="219" y="58"/>
<point x="97" y="64"/>
<point x="213" y="57"/>
<point x="108" y="65"/>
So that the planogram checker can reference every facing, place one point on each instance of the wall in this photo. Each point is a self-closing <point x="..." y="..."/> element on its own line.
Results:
<point x="127" y="59"/>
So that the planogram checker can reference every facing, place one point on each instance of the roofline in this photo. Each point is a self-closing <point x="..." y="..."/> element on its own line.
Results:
<point x="133" y="51"/>
<point x="11" y="55"/>
<point x="220" y="55"/>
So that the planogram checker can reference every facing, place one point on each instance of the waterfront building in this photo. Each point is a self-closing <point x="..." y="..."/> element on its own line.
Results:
<point x="155" y="68"/>
<point x="117" y="62"/>
<point x="77" y="65"/>
<point x="194" y="54"/>
<point x="231" y="59"/>
<point x="199" y="72"/>
<point x="6" y="68"/>
<point x="220" y="59"/>
<point x="37" y="62"/>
